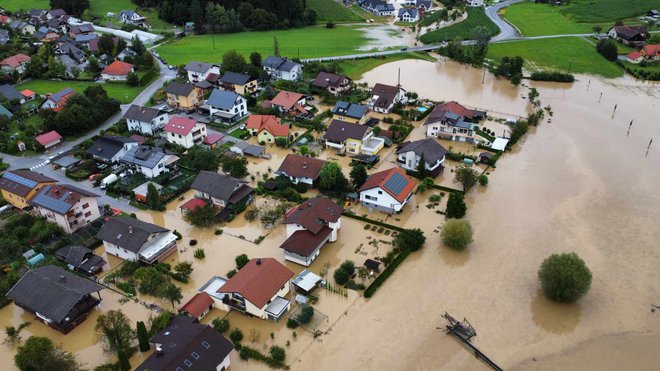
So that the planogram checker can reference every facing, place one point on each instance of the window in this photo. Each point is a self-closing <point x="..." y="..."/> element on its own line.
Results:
<point x="372" y="198"/>
<point x="380" y="192"/>
<point x="87" y="214"/>
<point x="194" y="355"/>
<point x="86" y="205"/>
<point x="187" y="362"/>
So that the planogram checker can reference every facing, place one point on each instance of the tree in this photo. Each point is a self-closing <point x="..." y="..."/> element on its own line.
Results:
<point x="255" y="58"/>
<point x="332" y="180"/>
<point x="607" y="48"/>
<point x="40" y="354"/>
<point x="143" y="336"/>
<point x="199" y="158"/>
<point x="124" y="363"/>
<point x="426" y="184"/>
<point x="13" y="334"/>
<point x="203" y="217"/>
<point x="235" y="166"/>
<point x="220" y="325"/>
<point x="172" y="293"/>
<point x="358" y="175"/>
<point x="481" y="36"/>
<point x="138" y="46"/>
<point x="132" y="79"/>
<point x="277" y="353"/>
<point x="310" y="16"/>
<point x="306" y="314"/>
<point x="236" y="335"/>
<point x="153" y="197"/>
<point x="232" y="61"/>
<point x="241" y="261"/>
<point x="276" y="46"/>
<point x="182" y="271"/>
<point x="421" y="167"/>
<point x="106" y="44"/>
<point x="411" y="239"/>
<point x="466" y="176"/>
<point x="341" y="276"/>
<point x="159" y="322"/>
<point x="456" y="207"/>
<point x="597" y="29"/>
<point x="72" y="7"/>
<point x="564" y="277"/>
<point x="115" y="330"/>
<point x="483" y="179"/>
<point x="457" y="233"/>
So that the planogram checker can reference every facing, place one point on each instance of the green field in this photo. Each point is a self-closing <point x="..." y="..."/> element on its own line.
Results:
<point x="330" y="10"/>
<point x="355" y="68"/>
<point x="557" y="54"/>
<point x="121" y="92"/>
<point x="542" y="19"/>
<point x="14" y="5"/>
<point x="306" y="42"/>
<point x="591" y="11"/>
<point x="476" y="17"/>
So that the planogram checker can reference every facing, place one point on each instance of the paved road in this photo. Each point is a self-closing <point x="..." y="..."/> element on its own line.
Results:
<point x="507" y="32"/>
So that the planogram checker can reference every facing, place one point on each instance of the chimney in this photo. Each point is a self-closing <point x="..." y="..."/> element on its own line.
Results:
<point x="62" y="278"/>
<point x="305" y="165"/>
<point x="130" y="229"/>
<point x="258" y="261"/>
<point x="159" y="351"/>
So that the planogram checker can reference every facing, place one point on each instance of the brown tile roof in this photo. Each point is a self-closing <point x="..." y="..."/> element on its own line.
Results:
<point x="325" y="79"/>
<point x="386" y="95"/>
<point x="270" y="123"/>
<point x="314" y="214"/>
<point x="258" y="281"/>
<point x="197" y="304"/>
<point x="21" y="182"/>
<point x="15" y="60"/>
<point x="339" y="131"/>
<point x="298" y="166"/>
<point x="286" y="99"/>
<point x="304" y="243"/>
<point x="381" y="178"/>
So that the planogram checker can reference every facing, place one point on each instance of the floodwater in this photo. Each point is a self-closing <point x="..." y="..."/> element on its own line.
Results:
<point x="580" y="183"/>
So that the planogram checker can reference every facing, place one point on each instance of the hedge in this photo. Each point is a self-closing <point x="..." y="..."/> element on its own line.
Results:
<point x="371" y="221"/>
<point x="443" y="188"/>
<point x="369" y="292"/>
<point x="246" y="353"/>
<point x="552" y="76"/>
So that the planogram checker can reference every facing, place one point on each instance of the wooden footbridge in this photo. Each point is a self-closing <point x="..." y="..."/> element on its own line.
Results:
<point x="464" y="331"/>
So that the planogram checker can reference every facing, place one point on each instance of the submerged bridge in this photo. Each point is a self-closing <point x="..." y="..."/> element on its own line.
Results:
<point x="463" y="331"/>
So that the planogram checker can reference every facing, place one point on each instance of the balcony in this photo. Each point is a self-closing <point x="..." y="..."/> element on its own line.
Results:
<point x="234" y="303"/>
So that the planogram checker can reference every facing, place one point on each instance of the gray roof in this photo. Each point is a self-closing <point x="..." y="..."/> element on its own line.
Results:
<point x="427" y="3"/>
<point x="216" y="185"/>
<point x="128" y="233"/>
<point x="108" y="147"/>
<point x="10" y="93"/>
<point x="432" y="150"/>
<point x="79" y="257"/>
<point x="279" y="63"/>
<point x="60" y="94"/>
<point x="146" y="156"/>
<point x="353" y="110"/>
<point x="235" y="78"/>
<point x="179" y="88"/>
<point x="413" y="12"/>
<point x="66" y="161"/>
<point x="59" y="198"/>
<point x="198" y="66"/>
<point x="339" y="131"/>
<point x="51" y="291"/>
<point x="141" y="113"/>
<point x="223" y="99"/>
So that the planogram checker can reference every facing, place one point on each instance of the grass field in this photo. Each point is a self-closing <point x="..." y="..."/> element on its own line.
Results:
<point x="557" y="54"/>
<point x="310" y="42"/>
<point x="542" y="19"/>
<point x="355" y="68"/>
<point x="476" y="17"/>
<point x="14" y="5"/>
<point x="591" y="11"/>
<point x="121" y="92"/>
<point x="330" y="10"/>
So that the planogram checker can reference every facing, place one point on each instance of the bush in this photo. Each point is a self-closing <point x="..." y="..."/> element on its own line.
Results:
<point x="456" y="207"/>
<point x="607" y="48"/>
<point x="564" y="277"/>
<point x="552" y="76"/>
<point x="236" y="335"/>
<point x="483" y="179"/>
<point x="292" y="323"/>
<point x="457" y="233"/>
<point x="306" y="315"/>
<point x="410" y="239"/>
<point x="231" y="273"/>
<point x="277" y="353"/>
<point x="341" y="276"/>
<point x="220" y="325"/>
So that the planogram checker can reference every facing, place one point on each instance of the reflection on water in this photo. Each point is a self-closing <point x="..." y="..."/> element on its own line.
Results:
<point x="454" y="258"/>
<point x="556" y="318"/>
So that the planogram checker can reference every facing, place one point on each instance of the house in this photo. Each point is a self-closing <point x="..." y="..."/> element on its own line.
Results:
<point x="15" y="63"/>
<point x="80" y="259"/>
<point x="306" y="282"/>
<point x="634" y="57"/>
<point x="239" y="82"/>
<point x="199" y="71"/>
<point x="433" y="154"/>
<point x="244" y="148"/>
<point x="423" y="5"/>
<point x="55" y="13"/>
<point x="377" y="7"/>
<point x="212" y="140"/>
<point x="10" y="93"/>
<point x="57" y="101"/>
<point x="28" y="95"/>
<point x="198" y="306"/>
<point x="301" y="169"/>
<point x="278" y="68"/>
<point x="228" y="106"/>
<point x="150" y="161"/>
<point x="140" y="192"/>
<point x="69" y="207"/>
<point x="183" y="96"/>
<point x="46" y="35"/>
<point x="66" y="46"/>
<point x="387" y="191"/>
<point x="111" y="149"/>
<point x="308" y="227"/>
<point x="384" y="97"/>
<point x="334" y="84"/>
<point x="146" y="120"/>
<point x="90" y="41"/>
<point x="407" y="15"/>
<point x="186" y="344"/>
<point x="651" y="52"/>
<point x="5" y="112"/>
<point x="49" y="139"/>
<point x="267" y="128"/>
<point x="4" y="36"/>
<point x="290" y="103"/>
<point x="134" y="240"/>
<point x="453" y="121"/>
<point x="5" y="19"/>
<point x="117" y="71"/>
<point x="184" y="132"/>
<point x="81" y="29"/>
<point x="349" y="112"/>
<point x="474" y="3"/>
<point x="23" y="27"/>
<point x="223" y="192"/>
<point x="126" y="53"/>
<point x="259" y="289"/>
<point x="133" y="18"/>
<point x="629" y="35"/>
<point x="18" y="186"/>
<point x="59" y="298"/>
<point x="352" y="138"/>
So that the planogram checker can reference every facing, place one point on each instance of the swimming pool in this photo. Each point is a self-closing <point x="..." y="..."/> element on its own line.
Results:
<point x="422" y="109"/>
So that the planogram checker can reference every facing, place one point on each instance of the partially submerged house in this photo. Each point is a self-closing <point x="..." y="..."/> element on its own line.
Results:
<point x="111" y="149"/>
<point x="80" y="259"/>
<point x="134" y="240"/>
<point x="290" y="103"/>
<point x="150" y="161"/>
<point x="223" y="192"/>
<point x="69" y="207"/>
<point x="385" y="97"/>
<point x="146" y="120"/>
<point x="428" y="150"/>
<point x="309" y="226"/>
<point x="347" y="137"/>
<point x="184" y="131"/>
<point x="198" y="306"/>
<point x="332" y="83"/>
<point x="18" y="186"/>
<point x="453" y="121"/>
<point x="301" y="169"/>
<point x="258" y="289"/>
<point x="59" y="298"/>
<point x="227" y="106"/>
<point x="278" y="68"/>
<point x="267" y="128"/>
<point x="350" y="112"/>
<point x="387" y="191"/>
<point x="199" y="71"/>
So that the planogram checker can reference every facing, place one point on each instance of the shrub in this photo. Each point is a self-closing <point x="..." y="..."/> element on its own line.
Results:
<point x="277" y="353"/>
<point x="410" y="239"/>
<point x="236" y="335"/>
<point x="483" y="179"/>
<point x="552" y="76"/>
<point x="564" y="277"/>
<point x="220" y="325"/>
<point x="241" y="260"/>
<point x="231" y="273"/>
<point x="457" y="233"/>
<point x="199" y="254"/>
<point x="306" y="315"/>
<point x="341" y="276"/>
<point x="292" y="323"/>
<point x="456" y="207"/>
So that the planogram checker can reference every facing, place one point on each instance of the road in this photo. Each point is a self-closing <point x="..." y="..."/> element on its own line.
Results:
<point x="507" y="32"/>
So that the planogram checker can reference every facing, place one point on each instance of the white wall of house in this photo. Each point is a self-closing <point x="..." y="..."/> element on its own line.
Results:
<point x="107" y="77"/>
<point x="122" y="152"/>
<point x="195" y="136"/>
<point x="49" y="104"/>
<point x="156" y="171"/>
<point x="377" y="198"/>
<point x="87" y="214"/>
<point x="439" y="129"/>
<point x="303" y="260"/>
<point x="305" y="180"/>
<point x="224" y="365"/>
<point x="239" y="108"/>
<point x="149" y="128"/>
<point x="292" y="75"/>
<point x="261" y="312"/>
<point x="119" y="252"/>
<point x="195" y="77"/>
<point x="410" y="161"/>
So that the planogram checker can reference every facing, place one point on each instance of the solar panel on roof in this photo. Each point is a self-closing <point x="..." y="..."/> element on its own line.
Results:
<point x="396" y="183"/>
<point x="57" y="205"/>
<point x="20" y="180"/>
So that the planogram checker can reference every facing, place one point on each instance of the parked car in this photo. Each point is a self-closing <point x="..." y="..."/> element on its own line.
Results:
<point x="93" y="177"/>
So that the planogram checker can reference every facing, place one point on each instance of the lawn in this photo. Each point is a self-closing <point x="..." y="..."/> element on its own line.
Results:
<point x="591" y="11"/>
<point x="101" y="7"/>
<point x="557" y="54"/>
<point x="355" y="68"/>
<point x="14" y="5"/>
<point x="330" y="10"/>
<point x="534" y="19"/>
<point x="122" y="92"/>
<point x="476" y="17"/>
<point x="306" y="42"/>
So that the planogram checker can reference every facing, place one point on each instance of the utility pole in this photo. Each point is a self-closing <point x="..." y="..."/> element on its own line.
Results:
<point x="570" y="63"/>
<point x="398" y="80"/>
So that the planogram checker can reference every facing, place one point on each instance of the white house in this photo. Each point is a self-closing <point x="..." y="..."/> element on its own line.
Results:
<point x="387" y="191"/>
<point x="378" y="7"/>
<point x="146" y="120"/>
<point x="259" y="289"/>
<point x="352" y="138"/>
<point x="200" y="71"/>
<point x="301" y="169"/>
<point x="65" y="205"/>
<point x="453" y="121"/>
<point x="474" y="2"/>
<point x="308" y="227"/>
<point x="134" y="240"/>
<point x="407" y="15"/>
<point x="150" y="161"/>
<point x="411" y="153"/>
<point x="132" y="17"/>
<point x="278" y="68"/>
<point x="185" y="132"/>
<point x="228" y="106"/>
<point x="384" y="97"/>
<point x="111" y="149"/>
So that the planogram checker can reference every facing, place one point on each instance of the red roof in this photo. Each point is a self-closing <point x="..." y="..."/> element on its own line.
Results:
<point x="304" y="242"/>
<point x="298" y="166"/>
<point x="48" y="138"/>
<point x="118" y="68"/>
<point x="314" y="214"/>
<point x="27" y="93"/>
<point x="213" y="138"/>
<point x="269" y="123"/>
<point x="258" y="281"/>
<point x="15" y="60"/>
<point x="4" y="18"/>
<point x="286" y="99"/>
<point x="634" y="55"/>
<point x="457" y="108"/>
<point x="380" y="178"/>
<point x="193" y="203"/>
<point x="651" y="50"/>
<point x="180" y="125"/>
<point x="138" y="138"/>
<point x="198" y="304"/>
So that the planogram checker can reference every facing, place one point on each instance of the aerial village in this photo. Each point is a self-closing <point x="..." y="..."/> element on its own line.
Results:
<point x="234" y="210"/>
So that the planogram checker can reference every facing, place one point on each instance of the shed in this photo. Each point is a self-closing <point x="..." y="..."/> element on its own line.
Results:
<point x="499" y="144"/>
<point x="66" y="161"/>
<point x="306" y="282"/>
<point x="140" y="191"/>
<point x="372" y="265"/>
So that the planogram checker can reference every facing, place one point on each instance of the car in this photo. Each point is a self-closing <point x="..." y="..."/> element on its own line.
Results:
<point x="171" y="67"/>
<point x="404" y="48"/>
<point x="94" y="176"/>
